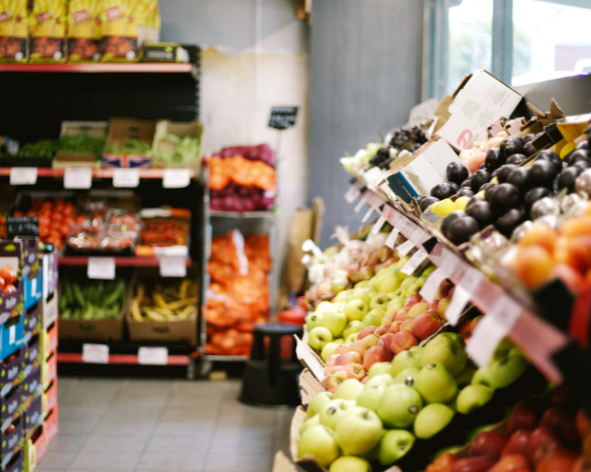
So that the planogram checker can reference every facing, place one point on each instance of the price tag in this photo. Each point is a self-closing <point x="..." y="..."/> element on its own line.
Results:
<point x="12" y="334"/>
<point x="391" y="240"/>
<point x="378" y="226"/>
<point x="359" y="206"/>
<point x="462" y="294"/>
<point x="95" y="353"/>
<point x="405" y="248"/>
<point x="352" y="194"/>
<point x="101" y="268"/>
<point x="176" y="178"/>
<point x="78" y="177"/>
<point x="173" y="267"/>
<point x="23" y="175"/>
<point x="414" y="262"/>
<point x="367" y="215"/>
<point x="126" y="178"/>
<point x="493" y="327"/>
<point x="152" y="355"/>
<point x="432" y="284"/>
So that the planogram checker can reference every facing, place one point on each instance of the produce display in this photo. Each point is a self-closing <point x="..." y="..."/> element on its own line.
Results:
<point x="238" y="295"/>
<point x="129" y="146"/>
<point x="162" y="228"/>
<point x="92" y="299"/>
<point x="164" y="301"/>
<point x="186" y="149"/>
<point x="81" y="144"/>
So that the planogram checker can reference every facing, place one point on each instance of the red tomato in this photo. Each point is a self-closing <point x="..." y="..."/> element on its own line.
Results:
<point x="69" y="209"/>
<point x="9" y="275"/>
<point x="65" y="230"/>
<point x="18" y="213"/>
<point x="44" y="220"/>
<point x="55" y="234"/>
<point x="55" y="225"/>
<point x="55" y="216"/>
<point x="68" y="220"/>
<point x="80" y="219"/>
<point x="31" y="213"/>
<point x="43" y="231"/>
<point x="2" y="283"/>
<point x="8" y="289"/>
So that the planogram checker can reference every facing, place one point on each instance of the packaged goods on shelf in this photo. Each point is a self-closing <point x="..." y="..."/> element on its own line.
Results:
<point x="238" y="296"/>
<point x="163" y="52"/>
<point x="47" y="26"/>
<point x="84" y="30"/>
<point x="14" y="31"/>
<point x="165" y="231"/>
<point x="120" y="21"/>
<point x="129" y="143"/>
<point x="177" y="144"/>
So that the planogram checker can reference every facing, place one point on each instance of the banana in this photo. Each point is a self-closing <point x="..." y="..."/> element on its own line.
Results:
<point x="140" y="292"/>
<point x="136" y="313"/>
<point x="181" y="303"/>
<point x="185" y="284"/>
<point x="155" y="316"/>
<point x="186" y="312"/>
<point x="159" y="301"/>
<point x="164" y="311"/>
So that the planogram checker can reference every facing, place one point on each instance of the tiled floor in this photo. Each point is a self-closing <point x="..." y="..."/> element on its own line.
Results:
<point x="160" y="426"/>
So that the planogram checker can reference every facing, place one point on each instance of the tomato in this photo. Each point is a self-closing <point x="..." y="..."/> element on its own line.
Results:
<point x="43" y="231"/>
<point x="2" y="283"/>
<point x="55" y="234"/>
<point x="68" y="220"/>
<point x="8" y="274"/>
<point x="55" y="216"/>
<point x="65" y="230"/>
<point x="69" y="209"/>
<point x="18" y="213"/>
<point x="55" y="225"/>
<point x="80" y="219"/>
<point x="31" y="213"/>
<point x="9" y="288"/>
<point x="44" y="220"/>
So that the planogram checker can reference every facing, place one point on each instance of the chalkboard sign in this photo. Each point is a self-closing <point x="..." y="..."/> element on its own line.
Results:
<point x="22" y="226"/>
<point x="283" y="117"/>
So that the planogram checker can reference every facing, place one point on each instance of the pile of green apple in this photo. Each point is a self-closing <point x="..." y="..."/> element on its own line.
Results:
<point x="416" y="395"/>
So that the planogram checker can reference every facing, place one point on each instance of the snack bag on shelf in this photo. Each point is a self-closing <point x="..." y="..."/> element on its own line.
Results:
<point x="84" y="30"/>
<point x="119" y="42"/>
<point x="13" y="30"/>
<point x="47" y="24"/>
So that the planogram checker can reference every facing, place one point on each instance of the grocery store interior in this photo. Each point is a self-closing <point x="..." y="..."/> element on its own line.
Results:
<point x="295" y="235"/>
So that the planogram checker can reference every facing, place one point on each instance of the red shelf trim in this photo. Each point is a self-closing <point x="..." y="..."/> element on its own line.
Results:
<point x="100" y="68"/>
<point x="119" y="261"/>
<point x="96" y="173"/>
<point x="73" y="357"/>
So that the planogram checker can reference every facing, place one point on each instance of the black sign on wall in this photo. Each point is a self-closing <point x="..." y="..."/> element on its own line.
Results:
<point x="22" y="226"/>
<point x="283" y="117"/>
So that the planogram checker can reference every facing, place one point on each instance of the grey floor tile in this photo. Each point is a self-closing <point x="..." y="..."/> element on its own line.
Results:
<point x="99" y="460"/>
<point x="282" y="445"/>
<point x="159" y="443"/>
<point x="79" y="413"/>
<point x="67" y="442"/>
<point x="76" y="427"/>
<point x="125" y="426"/>
<point x="190" y="427"/>
<point x="94" y="400"/>
<point x="235" y="431"/>
<point x="57" y="460"/>
<point x="245" y="444"/>
<point x="180" y="413"/>
<point x="283" y="422"/>
<point x="241" y="462"/>
<point x="115" y="442"/>
<point x="131" y="413"/>
<point x="177" y="461"/>
<point x="189" y="401"/>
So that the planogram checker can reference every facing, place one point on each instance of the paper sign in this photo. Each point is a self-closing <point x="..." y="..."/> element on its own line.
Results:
<point x="12" y="334"/>
<point x="176" y="178"/>
<point x="101" y="268"/>
<point x="414" y="262"/>
<point x="353" y="192"/>
<point x="23" y="175"/>
<point x="367" y="215"/>
<point x="493" y="327"/>
<point x="405" y="248"/>
<point x="152" y="355"/>
<point x="78" y="177"/>
<point x="432" y="284"/>
<point x="378" y="226"/>
<point x="462" y="294"/>
<point x="391" y="240"/>
<point x="359" y="206"/>
<point x="95" y="353"/>
<point x="173" y="267"/>
<point x="126" y="178"/>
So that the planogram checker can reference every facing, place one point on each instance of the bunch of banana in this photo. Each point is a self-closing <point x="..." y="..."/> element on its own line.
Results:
<point x="173" y="302"/>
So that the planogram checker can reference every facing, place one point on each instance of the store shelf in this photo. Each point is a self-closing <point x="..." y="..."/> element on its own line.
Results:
<point x="130" y="261"/>
<point x="222" y="358"/>
<point x="126" y="359"/>
<point x="99" y="68"/>
<point x="247" y="214"/>
<point x="96" y="173"/>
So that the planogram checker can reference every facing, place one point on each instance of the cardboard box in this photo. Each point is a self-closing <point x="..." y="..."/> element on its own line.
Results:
<point x="12" y="445"/>
<point x="50" y="426"/>
<point x="12" y="304"/>
<point x="49" y="310"/>
<point x="50" y="273"/>
<point x="32" y="321"/>
<point x="49" y="341"/>
<point x="50" y="398"/>
<point x="31" y="387"/>
<point x="193" y="129"/>
<point x="33" y="289"/>
<point x="483" y="100"/>
<point x="11" y="371"/>
<point x="121" y="129"/>
<point x="35" y="448"/>
<point x="11" y="407"/>
<point x="48" y="371"/>
<point x="33" y="415"/>
<point x="32" y="354"/>
<point x="12" y="335"/>
<point x="95" y="129"/>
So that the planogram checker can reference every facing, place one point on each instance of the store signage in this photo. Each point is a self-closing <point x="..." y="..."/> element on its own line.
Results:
<point x="101" y="268"/>
<point x="78" y="177"/>
<point x="152" y="355"/>
<point x="283" y="117"/>
<point x="95" y="353"/>
<point x="22" y="226"/>
<point x="176" y="178"/>
<point x="126" y="178"/>
<point x="173" y="266"/>
<point x="391" y="240"/>
<point x="23" y="175"/>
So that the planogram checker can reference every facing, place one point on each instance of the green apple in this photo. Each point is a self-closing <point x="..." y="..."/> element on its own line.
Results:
<point x="428" y="271"/>
<point x="370" y="397"/>
<point x="352" y="337"/>
<point x="313" y="321"/>
<point x="334" y="321"/>
<point x="399" y="406"/>
<point x="504" y="372"/>
<point x="373" y="318"/>
<point x="483" y="377"/>
<point x="465" y="376"/>
<point x="361" y="294"/>
<point x="399" y="293"/>
<point x="432" y="419"/>
<point x="313" y="421"/>
<point x="407" y="376"/>
<point x="322" y="307"/>
<point x="401" y="263"/>
<point x="453" y="403"/>
<point x="318" y="443"/>
<point x="356" y="310"/>
<point x="394" y="445"/>
<point x="406" y="359"/>
<point x="350" y="464"/>
<point x="409" y="281"/>
<point x="353" y="327"/>
<point x="380" y="379"/>
<point x="319" y="400"/>
<point x="473" y="397"/>
<point x="436" y="384"/>
<point x="391" y="284"/>
<point x="343" y="296"/>
<point x="379" y="368"/>
<point x="417" y="309"/>
<point x="319" y="337"/>
<point x="359" y="431"/>
<point x="349" y="390"/>
<point x="328" y="350"/>
<point x="395" y="304"/>
<point x="361" y="284"/>
<point x="333" y="411"/>
<point x="412" y="290"/>
<point x="446" y="350"/>
<point x="380" y="301"/>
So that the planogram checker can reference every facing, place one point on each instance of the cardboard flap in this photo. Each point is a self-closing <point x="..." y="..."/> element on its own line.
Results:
<point x="309" y="386"/>
<point x="309" y="358"/>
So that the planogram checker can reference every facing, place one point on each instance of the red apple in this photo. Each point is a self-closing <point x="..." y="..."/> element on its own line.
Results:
<point x="388" y="318"/>
<point x="511" y="463"/>
<point x="518" y="443"/>
<point x="365" y="331"/>
<point x="406" y="324"/>
<point x="583" y="464"/>
<point x="348" y="358"/>
<point x="402" y="314"/>
<point x="356" y="370"/>
<point x="443" y="290"/>
<point x="560" y="460"/>
<point x="376" y="354"/>
<point x="332" y="389"/>
<point x="369" y="341"/>
<point x="488" y="444"/>
<point x="338" y="378"/>
<point x="403" y="341"/>
<point x="473" y="464"/>
<point x="330" y="362"/>
<point x="381" y="330"/>
<point x="386" y="341"/>
<point x="443" y="463"/>
<point x="442" y="306"/>
<point x="364" y="380"/>
<point x="412" y="300"/>
<point x="542" y="441"/>
<point x="523" y="416"/>
<point x="357" y="346"/>
<point x="433" y="306"/>
<point x="583" y="423"/>
<point x="425" y="325"/>
<point x="343" y="348"/>
<point x="334" y="369"/>
<point x="395" y="327"/>
<point x="561" y="423"/>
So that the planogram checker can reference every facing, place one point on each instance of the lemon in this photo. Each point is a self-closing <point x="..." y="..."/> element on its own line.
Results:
<point x="443" y="208"/>
<point x="462" y="202"/>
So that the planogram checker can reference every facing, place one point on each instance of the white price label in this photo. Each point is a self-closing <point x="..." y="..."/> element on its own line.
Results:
<point x="23" y="175"/>
<point x="12" y="334"/>
<point x="432" y="284"/>
<point x="391" y="240"/>
<point x="176" y="178"/>
<point x="378" y="226"/>
<point x="152" y="355"/>
<point x="78" y="177"/>
<point x="458" y="301"/>
<point x="95" y="353"/>
<point x="101" y="268"/>
<point x="493" y="327"/>
<point x="126" y="178"/>
<point x="359" y="205"/>
<point x="414" y="262"/>
<point x="367" y="215"/>
<point x="352" y="194"/>
<point x="405" y="248"/>
<point x="173" y="267"/>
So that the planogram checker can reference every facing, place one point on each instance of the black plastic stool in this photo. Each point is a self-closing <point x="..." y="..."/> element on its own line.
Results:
<point x="271" y="381"/>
